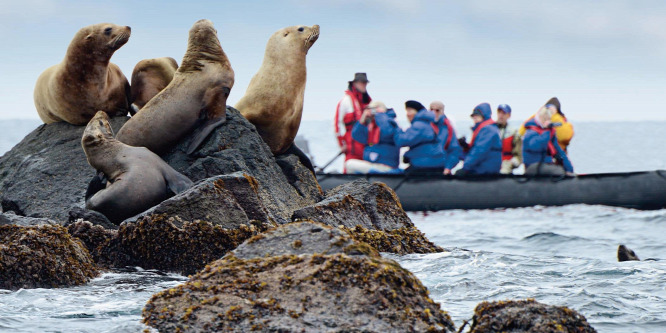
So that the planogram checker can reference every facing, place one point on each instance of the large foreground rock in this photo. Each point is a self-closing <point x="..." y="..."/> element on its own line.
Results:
<point x="42" y="257"/>
<point x="301" y="277"/>
<point x="527" y="316"/>
<point x="47" y="174"/>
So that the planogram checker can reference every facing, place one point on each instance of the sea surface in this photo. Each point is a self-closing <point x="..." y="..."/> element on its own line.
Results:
<point x="557" y="255"/>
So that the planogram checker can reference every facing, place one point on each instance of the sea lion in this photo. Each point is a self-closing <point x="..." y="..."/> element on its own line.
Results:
<point x="137" y="179"/>
<point x="149" y="77"/>
<point x="273" y="101"/>
<point x="85" y="81"/>
<point x="196" y="98"/>
<point x="626" y="254"/>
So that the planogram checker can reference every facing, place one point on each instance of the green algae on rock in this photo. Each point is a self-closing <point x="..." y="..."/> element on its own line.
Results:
<point x="528" y="316"/>
<point x="349" y="288"/>
<point x="42" y="257"/>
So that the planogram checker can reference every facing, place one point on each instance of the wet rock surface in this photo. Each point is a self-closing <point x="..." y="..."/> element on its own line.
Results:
<point x="46" y="174"/>
<point x="9" y="218"/>
<point x="42" y="257"/>
<point x="526" y="316"/>
<point x="348" y="289"/>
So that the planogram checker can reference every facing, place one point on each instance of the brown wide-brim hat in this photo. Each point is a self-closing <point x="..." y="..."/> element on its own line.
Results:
<point x="360" y="77"/>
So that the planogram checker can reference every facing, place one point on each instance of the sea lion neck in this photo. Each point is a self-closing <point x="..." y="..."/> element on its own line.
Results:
<point x="203" y="45"/>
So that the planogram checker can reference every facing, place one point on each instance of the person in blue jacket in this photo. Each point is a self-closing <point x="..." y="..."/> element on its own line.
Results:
<point x="451" y="147"/>
<point x="426" y="153"/>
<point x="375" y="130"/>
<point x="485" y="149"/>
<point x="540" y="148"/>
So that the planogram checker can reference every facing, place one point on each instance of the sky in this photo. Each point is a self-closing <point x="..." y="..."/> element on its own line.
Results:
<point x="603" y="60"/>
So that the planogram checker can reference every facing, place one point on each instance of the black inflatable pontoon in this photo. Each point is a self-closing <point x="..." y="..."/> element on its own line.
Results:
<point x="640" y="190"/>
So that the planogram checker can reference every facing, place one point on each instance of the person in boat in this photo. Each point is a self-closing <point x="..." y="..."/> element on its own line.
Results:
<point x="347" y="114"/>
<point x="438" y="108"/>
<point x="564" y="130"/>
<point x="541" y="150"/>
<point x="426" y="153"/>
<point x="447" y="135"/>
<point x="485" y="149"/>
<point x="512" y="143"/>
<point x="375" y="129"/>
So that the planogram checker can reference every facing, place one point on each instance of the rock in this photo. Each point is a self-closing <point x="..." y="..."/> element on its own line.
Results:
<point x="626" y="254"/>
<point x="47" y="173"/>
<point x="42" y="257"/>
<point x="526" y="316"/>
<point x="236" y="146"/>
<point x="9" y="218"/>
<point x="171" y="244"/>
<point x="96" y="218"/>
<point x="275" y="283"/>
<point x="300" y="177"/>
<point x="371" y="213"/>
<point x="221" y="200"/>
<point x="102" y="243"/>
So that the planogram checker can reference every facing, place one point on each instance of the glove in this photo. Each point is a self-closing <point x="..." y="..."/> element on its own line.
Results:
<point x="515" y="162"/>
<point x="463" y="144"/>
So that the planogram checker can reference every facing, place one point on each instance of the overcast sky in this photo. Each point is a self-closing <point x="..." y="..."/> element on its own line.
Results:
<point x="604" y="60"/>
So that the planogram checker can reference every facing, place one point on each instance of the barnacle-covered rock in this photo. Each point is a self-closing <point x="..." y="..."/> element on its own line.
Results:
<point x="371" y="213"/>
<point x="528" y="316"/>
<point x="299" y="277"/>
<point x="42" y="257"/>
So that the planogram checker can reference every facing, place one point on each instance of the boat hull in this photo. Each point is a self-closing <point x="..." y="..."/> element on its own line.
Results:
<point x="639" y="190"/>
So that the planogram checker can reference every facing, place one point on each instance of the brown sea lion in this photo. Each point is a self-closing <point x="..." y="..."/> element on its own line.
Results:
<point x="137" y="179"/>
<point x="85" y="81"/>
<point x="149" y="77"/>
<point x="195" y="99"/>
<point x="626" y="254"/>
<point x="273" y="101"/>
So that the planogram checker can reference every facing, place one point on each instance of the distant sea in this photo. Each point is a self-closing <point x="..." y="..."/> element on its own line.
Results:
<point x="557" y="255"/>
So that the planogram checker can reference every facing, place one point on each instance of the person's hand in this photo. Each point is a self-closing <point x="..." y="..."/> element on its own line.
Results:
<point x="366" y="116"/>
<point x="546" y="124"/>
<point x="515" y="162"/>
<point x="447" y="171"/>
<point x="570" y="174"/>
<point x="342" y="143"/>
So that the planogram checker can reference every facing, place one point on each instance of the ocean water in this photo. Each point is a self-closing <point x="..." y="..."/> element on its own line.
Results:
<point x="557" y="255"/>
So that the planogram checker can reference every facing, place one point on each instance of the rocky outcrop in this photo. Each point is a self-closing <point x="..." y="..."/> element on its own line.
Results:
<point x="9" y="218"/>
<point x="371" y="213"/>
<point x="528" y="316"/>
<point x="42" y="257"/>
<point x="299" y="277"/>
<point x="46" y="174"/>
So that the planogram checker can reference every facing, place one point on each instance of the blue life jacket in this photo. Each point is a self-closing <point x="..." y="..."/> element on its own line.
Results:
<point x="485" y="152"/>
<point x="385" y="151"/>
<point x="451" y="147"/>
<point x="425" y="148"/>
<point x="540" y="145"/>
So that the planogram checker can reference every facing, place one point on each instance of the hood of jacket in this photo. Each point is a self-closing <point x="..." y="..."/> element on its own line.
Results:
<point x="424" y="116"/>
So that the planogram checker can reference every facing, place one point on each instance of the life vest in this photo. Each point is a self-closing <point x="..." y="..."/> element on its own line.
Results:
<point x="478" y="129"/>
<point x="354" y="148"/>
<point x="551" y="148"/>
<point x="507" y="148"/>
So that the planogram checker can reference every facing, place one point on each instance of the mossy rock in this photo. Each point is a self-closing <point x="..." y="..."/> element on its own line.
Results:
<point x="527" y="316"/>
<point x="302" y="276"/>
<point x="42" y="257"/>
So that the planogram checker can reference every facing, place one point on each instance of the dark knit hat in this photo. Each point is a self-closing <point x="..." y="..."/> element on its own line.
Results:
<point x="414" y="105"/>
<point x="360" y="77"/>
<point x="555" y="102"/>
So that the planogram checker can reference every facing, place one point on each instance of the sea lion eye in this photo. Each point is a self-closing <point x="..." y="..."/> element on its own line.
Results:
<point x="285" y="34"/>
<point x="301" y="29"/>
<point x="107" y="31"/>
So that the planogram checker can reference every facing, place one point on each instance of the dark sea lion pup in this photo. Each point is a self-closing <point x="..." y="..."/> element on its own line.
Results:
<point x="273" y="101"/>
<point x="85" y="81"/>
<point x="137" y="179"/>
<point x="626" y="254"/>
<point x="149" y="77"/>
<point x="195" y="100"/>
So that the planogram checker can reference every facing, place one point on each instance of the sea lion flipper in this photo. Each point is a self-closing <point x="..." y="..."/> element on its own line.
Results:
<point x="213" y="114"/>
<point x="96" y="184"/>
<point x="202" y="132"/>
<point x="176" y="182"/>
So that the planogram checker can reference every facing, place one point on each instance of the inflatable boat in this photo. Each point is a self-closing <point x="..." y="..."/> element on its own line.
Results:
<point x="639" y="190"/>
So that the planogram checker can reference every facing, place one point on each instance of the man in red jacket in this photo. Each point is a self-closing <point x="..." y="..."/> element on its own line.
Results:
<point x="348" y="112"/>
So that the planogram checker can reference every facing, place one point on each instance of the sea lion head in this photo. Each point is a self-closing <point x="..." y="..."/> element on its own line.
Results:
<point x="298" y="35"/>
<point x="203" y="45"/>
<point x="100" y="39"/>
<point x="97" y="131"/>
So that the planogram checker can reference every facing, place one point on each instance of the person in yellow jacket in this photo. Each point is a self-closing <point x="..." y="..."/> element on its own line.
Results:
<point x="563" y="129"/>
